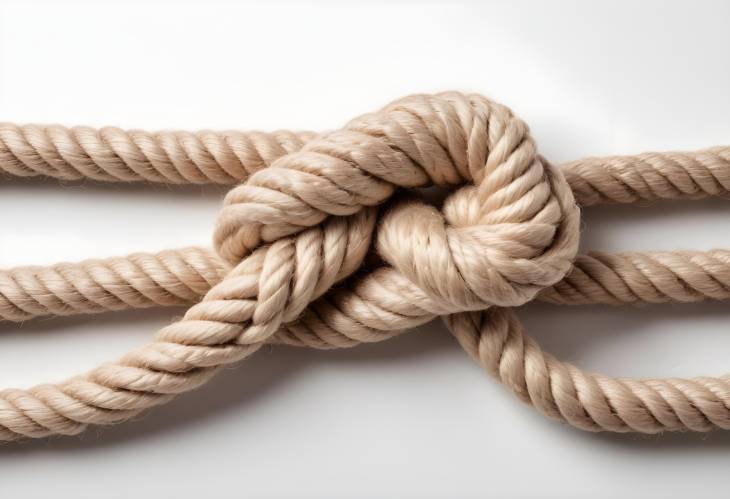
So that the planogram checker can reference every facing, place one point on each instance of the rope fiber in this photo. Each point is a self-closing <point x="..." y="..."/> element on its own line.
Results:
<point x="305" y="212"/>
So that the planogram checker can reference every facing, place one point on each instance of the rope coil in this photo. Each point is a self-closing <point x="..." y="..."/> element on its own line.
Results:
<point x="304" y="219"/>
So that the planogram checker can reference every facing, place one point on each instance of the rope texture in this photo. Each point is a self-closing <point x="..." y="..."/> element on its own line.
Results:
<point x="182" y="277"/>
<point x="140" y="280"/>
<point x="112" y="154"/>
<point x="294" y="230"/>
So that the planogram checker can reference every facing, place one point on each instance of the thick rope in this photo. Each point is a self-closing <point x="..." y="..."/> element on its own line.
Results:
<point x="637" y="277"/>
<point x="182" y="277"/>
<point x="650" y="176"/>
<point x="140" y="280"/>
<point x="112" y="154"/>
<point x="592" y="402"/>
<point x="294" y="230"/>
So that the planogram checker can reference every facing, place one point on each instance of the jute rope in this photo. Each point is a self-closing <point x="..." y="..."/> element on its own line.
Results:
<point x="292" y="260"/>
<point x="182" y="277"/>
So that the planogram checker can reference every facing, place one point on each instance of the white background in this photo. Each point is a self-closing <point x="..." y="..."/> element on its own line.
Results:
<point x="411" y="417"/>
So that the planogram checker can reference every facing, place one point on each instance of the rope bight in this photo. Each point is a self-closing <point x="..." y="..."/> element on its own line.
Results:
<point x="294" y="232"/>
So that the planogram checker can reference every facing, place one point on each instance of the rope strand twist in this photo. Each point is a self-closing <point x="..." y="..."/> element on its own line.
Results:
<point x="292" y="268"/>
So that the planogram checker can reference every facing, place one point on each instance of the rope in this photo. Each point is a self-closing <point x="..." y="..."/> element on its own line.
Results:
<point x="208" y="157"/>
<point x="140" y="280"/>
<point x="182" y="277"/>
<point x="114" y="155"/>
<point x="292" y="240"/>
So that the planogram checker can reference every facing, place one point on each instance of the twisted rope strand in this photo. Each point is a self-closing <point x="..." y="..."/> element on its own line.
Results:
<point x="233" y="320"/>
<point x="592" y="402"/>
<point x="182" y="277"/>
<point x="140" y="280"/>
<point x="113" y="155"/>
<point x="650" y="176"/>
<point x="178" y="157"/>
<point x="284" y="259"/>
<point x="644" y="277"/>
<point x="293" y="231"/>
<point x="173" y="278"/>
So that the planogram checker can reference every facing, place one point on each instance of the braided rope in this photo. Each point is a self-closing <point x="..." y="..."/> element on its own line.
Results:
<point x="294" y="230"/>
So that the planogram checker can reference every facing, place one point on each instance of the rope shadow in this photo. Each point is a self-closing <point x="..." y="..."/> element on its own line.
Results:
<point x="42" y="184"/>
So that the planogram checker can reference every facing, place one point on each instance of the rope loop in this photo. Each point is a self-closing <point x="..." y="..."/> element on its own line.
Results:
<point x="510" y="232"/>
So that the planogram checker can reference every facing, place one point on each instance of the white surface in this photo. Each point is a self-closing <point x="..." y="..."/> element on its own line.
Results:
<point x="411" y="417"/>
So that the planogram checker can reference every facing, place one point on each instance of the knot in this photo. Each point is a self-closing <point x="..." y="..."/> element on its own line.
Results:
<point x="298" y="232"/>
<point x="508" y="231"/>
<point x="498" y="245"/>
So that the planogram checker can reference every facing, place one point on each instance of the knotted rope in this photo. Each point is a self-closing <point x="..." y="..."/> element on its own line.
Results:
<point x="293" y="265"/>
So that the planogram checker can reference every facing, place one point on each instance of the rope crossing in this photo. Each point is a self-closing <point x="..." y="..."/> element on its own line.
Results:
<point x="304" y="213"/>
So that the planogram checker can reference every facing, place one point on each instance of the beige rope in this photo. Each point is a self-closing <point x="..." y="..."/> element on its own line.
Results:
<point x="588" y="401"/>
<point x="176" y="278"/>
<point x="650" y="176"/>
<point x="111" y="154"/>
<point x="292" y="231"/>
<point x="182" y="277"/>
<point x="141" y="280"/>
<point x="652" y="277"/>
